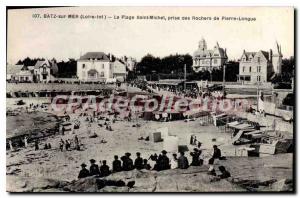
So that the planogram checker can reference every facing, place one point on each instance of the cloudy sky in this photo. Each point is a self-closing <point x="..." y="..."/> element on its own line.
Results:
<point x="68" y="38"/>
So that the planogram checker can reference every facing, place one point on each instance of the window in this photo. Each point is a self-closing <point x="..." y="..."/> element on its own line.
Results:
<point x="83" y="66"/>
<point x="249" y="69"/>
<point x="102" y="74"/>
<point x="258" y="59"/>
<point x="258" y="68"/>
<point x="243" y="69"/>
<point x="258" y="78"/>
<point x="215" y="61"/>
<point x="102" y="66"/>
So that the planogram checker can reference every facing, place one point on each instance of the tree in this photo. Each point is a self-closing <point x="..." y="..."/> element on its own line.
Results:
<point x="28" y="61"/>
<point x="171" y="66"/>
<point x="67" y="69"/>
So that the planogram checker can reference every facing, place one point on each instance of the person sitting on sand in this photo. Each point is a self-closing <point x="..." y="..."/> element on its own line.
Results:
<point x="163" y="161"/>
<point x="199" y="145"/>
<point x="182" y="161"/>
<point x="146" y="165"/>
<point x="224" y="173"/>
<point x="104" y="169"/>
<point x="83" y="172"/>
<point x="116" y="165"/>
<point x="127" y="162"/>
<point x="174" y="161"/>
<point x="195" y="157"/>
<point x="94" y="168"/>
<point x="211" y="171"/>
<point x="216" y="153"/>
<point x="138" y="163"/>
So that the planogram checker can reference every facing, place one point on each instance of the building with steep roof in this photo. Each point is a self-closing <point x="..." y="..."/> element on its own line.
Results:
<point x="18" y="73"/>
<point x="44" y="70"/>
<point x="119" y="70"/>
<point x="259" y="66"/>
<point x="205" y="59"/>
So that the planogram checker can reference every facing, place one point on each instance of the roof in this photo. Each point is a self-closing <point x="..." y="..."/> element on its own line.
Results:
<point x="13" y="69"/>
<point x="30" y="67"/>
<point x="265" y="54"/>
<point x="40" y="63"/>
<point x="94" y="55"/>
<point x="24" y="73"/>
<point x="250" y="53"/>
<point x="210" y="53"/>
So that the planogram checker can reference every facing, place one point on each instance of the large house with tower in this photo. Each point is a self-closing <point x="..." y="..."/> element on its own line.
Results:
<point x="208" y="59"/>
<point x="260" y="66"/>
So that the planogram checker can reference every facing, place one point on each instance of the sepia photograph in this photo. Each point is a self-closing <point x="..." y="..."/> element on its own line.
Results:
<point x="105" y="99"/>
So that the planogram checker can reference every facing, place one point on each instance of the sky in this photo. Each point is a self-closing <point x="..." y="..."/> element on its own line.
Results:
<point x="64" y="38"/>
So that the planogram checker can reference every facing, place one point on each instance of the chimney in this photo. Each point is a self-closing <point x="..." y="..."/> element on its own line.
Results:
<point x="270" y="55"/>
<point x="110" y="57"/>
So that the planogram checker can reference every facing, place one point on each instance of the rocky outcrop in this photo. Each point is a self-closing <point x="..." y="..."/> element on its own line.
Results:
<point x="247" y="174"/>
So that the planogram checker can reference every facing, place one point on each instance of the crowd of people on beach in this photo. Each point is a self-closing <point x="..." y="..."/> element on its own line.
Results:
<point x="162" y="162"/>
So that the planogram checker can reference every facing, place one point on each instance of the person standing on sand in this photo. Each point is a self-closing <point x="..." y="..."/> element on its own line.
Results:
<point x="11" y="145"/>
<point x="83" y="172"/>
<point x="76" y="141"/>
<point x="61" y="145"/>
<point x="36" y="144"/>
<point x="68" y="145"/>
<point x="192" y="139"/>
<point x="26" y="141"/>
